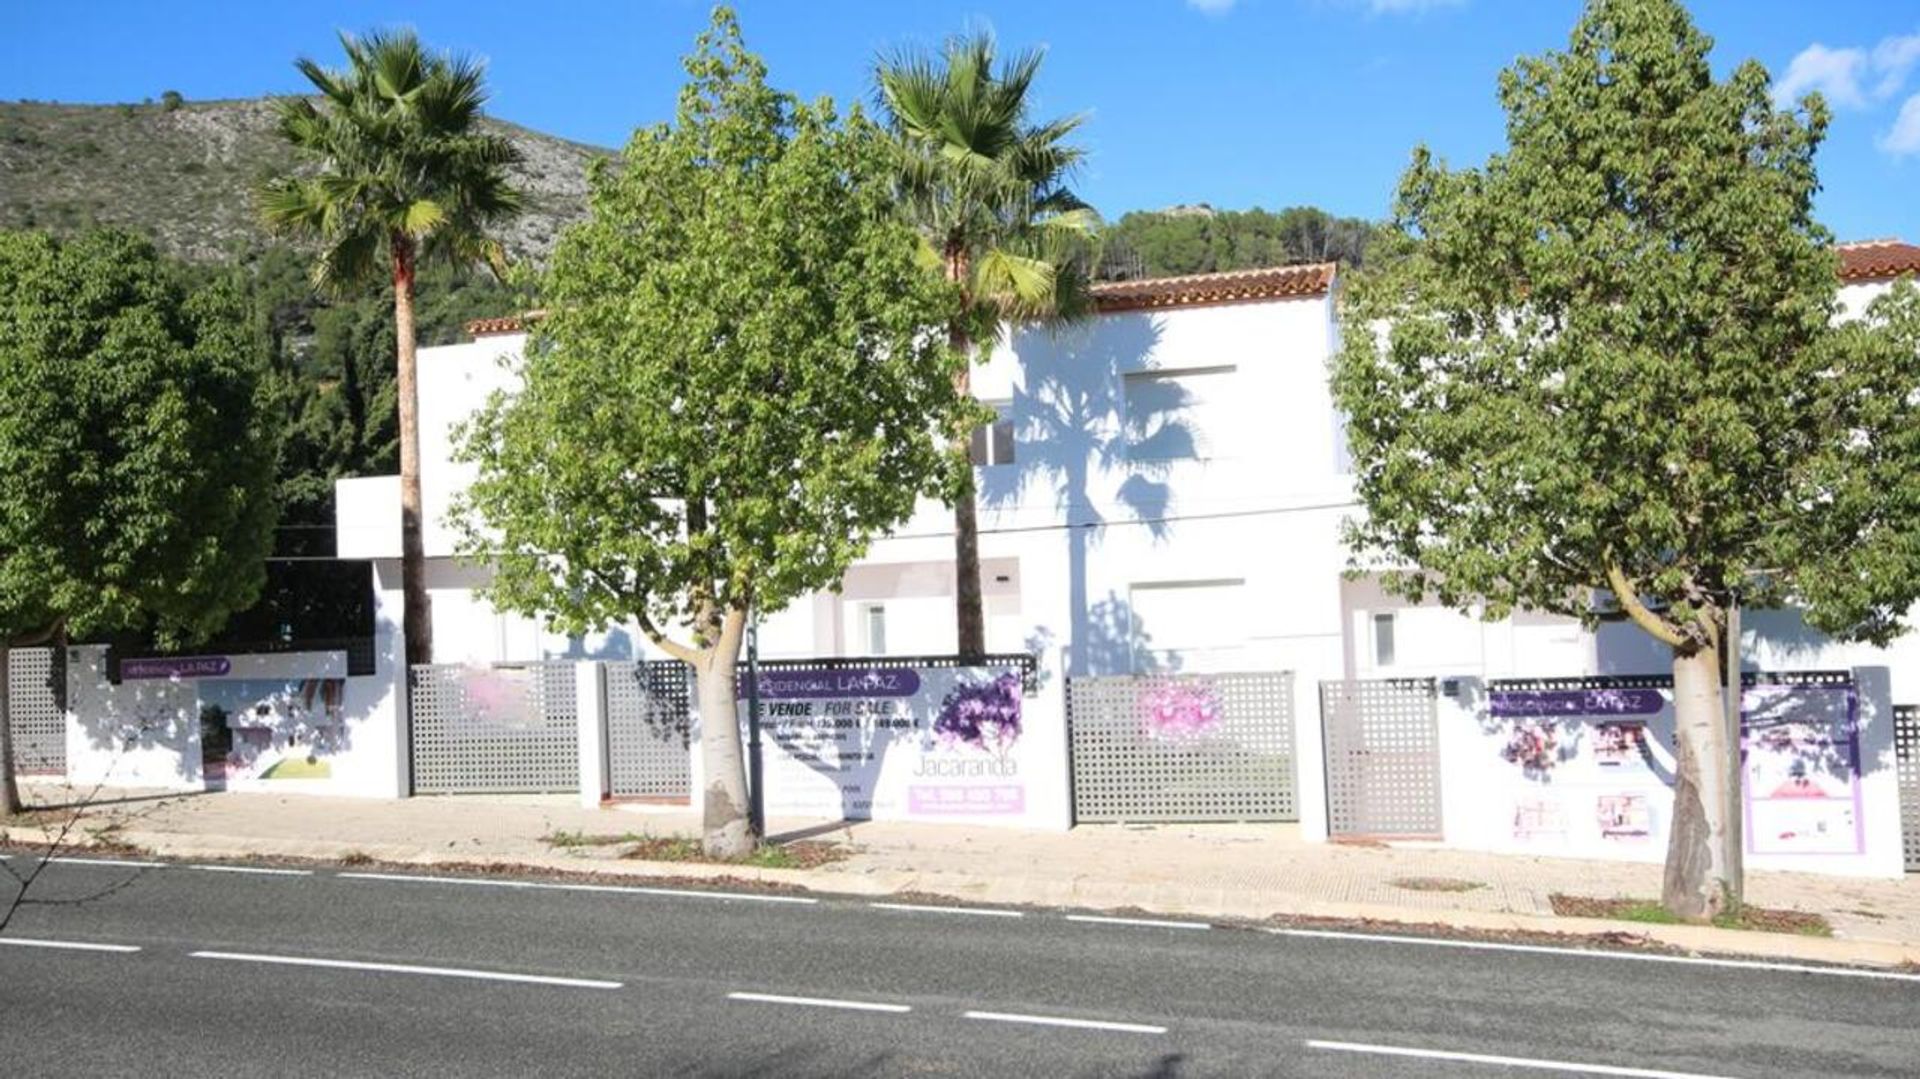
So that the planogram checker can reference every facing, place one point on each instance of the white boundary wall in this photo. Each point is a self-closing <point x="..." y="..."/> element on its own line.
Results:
<point x="1494" y="804"/>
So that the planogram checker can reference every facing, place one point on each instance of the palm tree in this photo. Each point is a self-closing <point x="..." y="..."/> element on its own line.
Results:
<point x="397" y="172"/>
<point x="988" y="192"/>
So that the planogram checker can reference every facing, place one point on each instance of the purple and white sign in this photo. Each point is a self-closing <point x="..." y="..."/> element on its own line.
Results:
<point x="181" y="667"/>
<point x="825" y="683"/>
<point x="893" y="742"/>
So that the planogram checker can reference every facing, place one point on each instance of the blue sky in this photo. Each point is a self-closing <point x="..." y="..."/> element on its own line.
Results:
<point x="1231" y="102"/>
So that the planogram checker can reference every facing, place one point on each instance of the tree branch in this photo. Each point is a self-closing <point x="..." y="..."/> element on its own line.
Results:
<point x="1629" y="597"/>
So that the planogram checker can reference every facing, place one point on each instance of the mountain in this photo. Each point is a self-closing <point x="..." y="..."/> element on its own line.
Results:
<point x="184" y="172"/>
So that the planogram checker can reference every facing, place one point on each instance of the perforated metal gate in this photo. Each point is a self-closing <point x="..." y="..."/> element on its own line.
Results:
<point x="649" y="720"/>
<point x="504" y="729"/>
<point x="37" y="710"/>
<point x="1216" y="747"/>
<point x="1383" y="757"/>
<point x="1906" y="752"/>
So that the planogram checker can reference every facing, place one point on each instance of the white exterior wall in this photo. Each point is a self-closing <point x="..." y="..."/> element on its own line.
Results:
<point x="145" y="732"/>
<point x="1103" y="552"/>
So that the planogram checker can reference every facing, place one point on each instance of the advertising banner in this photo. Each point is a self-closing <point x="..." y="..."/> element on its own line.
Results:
<point x="1591" y="770"/>
<point x="895" y="743"/>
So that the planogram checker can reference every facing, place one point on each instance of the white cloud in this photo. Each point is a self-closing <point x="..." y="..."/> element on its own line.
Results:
<point x="1904" y="137"/>
<point x="1834" y="72"/>
<point x="1850" y="78"/>
<point x="1211" y="7"/>
<point x="1893" y="58"/>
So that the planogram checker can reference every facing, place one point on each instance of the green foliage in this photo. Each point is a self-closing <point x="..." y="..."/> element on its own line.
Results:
<point x="1608" y="359"/>
<point x="734" y="389"/>
<point x="136" y="443"/>
<point x="1200" y="239"/>
<point x="403" y="166"/>
<point x="987" y="186"/>
<point x="170" y="101"/>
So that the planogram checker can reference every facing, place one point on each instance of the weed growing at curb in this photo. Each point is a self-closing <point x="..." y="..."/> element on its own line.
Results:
<point x="1436" y="884"/>
<point x="1755" y="919"/>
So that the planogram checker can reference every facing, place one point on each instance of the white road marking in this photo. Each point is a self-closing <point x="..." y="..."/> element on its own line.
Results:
<point x="820" y="1002"/>
<point x="68" y="945"/>
<point x="260" y="869"/>
<point x="108" y="863"/>
<point x="406" y="968"/>
<point x="1595" y="953"/>
<point x="1060" y="1021"/>
<point x="1155" y="923"/>
<point x="1505" y="1062"/>
<point x="984" y="912"/>
<point x="615" y="889"/>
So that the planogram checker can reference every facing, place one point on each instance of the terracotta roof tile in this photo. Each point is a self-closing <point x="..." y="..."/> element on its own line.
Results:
<point x="489" y="327"/>
<point x="1208" y="289"/>
<point x="1870" y="260"/>
<point x="1874" y="260"/>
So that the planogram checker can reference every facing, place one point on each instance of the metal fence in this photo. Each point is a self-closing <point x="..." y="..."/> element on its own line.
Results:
<point x="1382" y="740"/>
<point x="1215" y="747"/>
<point x="1906" y="752"/>
<point x="37" y="710"/>
<point x="504" y="729"/>
<point x="649" y="722"/>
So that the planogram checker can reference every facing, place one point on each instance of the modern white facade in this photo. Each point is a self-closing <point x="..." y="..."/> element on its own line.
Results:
<point x="1164" y="493"/>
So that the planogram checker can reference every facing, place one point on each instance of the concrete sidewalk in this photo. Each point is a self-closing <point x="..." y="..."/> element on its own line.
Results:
<point x="1202" y="871"/>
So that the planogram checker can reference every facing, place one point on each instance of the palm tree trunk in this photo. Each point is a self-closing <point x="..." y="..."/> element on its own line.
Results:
<point x="970" y="620"/>
<point x="415" y="608"/>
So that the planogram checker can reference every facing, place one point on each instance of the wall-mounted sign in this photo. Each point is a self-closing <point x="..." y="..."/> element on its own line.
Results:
<point x="182" y="667"/>
<point x="893" y="742"/>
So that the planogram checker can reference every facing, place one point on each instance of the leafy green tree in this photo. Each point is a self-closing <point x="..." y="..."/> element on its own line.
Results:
<point x="1607" y="362"/>
<point x="136" y="449"/>
<point x="401" y="174"/>
<point x="1200" y="239"/>
<point x="987" y="189"/>
<point x="733" y="392"/>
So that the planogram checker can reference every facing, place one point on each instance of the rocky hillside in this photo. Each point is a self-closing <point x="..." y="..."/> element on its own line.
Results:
<point x="185" y="174"/>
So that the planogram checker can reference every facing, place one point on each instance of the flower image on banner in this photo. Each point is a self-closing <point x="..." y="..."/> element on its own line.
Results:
<point x="981" y="714"/>
<point x="1180" y="712"/>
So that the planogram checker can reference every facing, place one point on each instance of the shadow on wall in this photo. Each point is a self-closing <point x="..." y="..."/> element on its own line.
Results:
<point x="617" y="646"/>
<point x="1782" y="637"/>
<point x="1077" y="429"/>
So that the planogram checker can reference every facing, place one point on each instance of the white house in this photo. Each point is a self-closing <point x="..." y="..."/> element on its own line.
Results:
<point x="1163" y="492"/>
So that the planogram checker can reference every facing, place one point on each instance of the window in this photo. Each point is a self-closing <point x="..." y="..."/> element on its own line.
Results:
<point x="1383" y="640"/>
<point x="993" y="442"/>
<point x="1185" y="625"/>
<point x="1178" y="415"/>
<point x="873" y="619"/>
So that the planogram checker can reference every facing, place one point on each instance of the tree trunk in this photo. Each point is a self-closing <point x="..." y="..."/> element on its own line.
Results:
<point x="968" y="607"/>
<point x="1700" y="859"/>
<point x="727" y="832"/>
<point x="415" y="607"/>
<point x="9" y="785"/>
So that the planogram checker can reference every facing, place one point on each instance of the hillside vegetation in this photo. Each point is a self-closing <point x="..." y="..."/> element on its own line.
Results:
<point x="184" y="173"/>
<point x="1201" y="239"/>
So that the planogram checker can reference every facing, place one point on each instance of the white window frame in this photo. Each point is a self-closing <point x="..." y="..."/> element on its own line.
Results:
<point x="985" y="447"/>
<point x="870" y="615"/>
<point x="1207" y="442"/>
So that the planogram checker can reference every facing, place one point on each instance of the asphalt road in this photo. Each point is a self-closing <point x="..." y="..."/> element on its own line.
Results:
<point x="331" y="973"/>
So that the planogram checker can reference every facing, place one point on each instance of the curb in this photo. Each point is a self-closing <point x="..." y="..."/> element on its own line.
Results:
<point x="1224" y="905"/>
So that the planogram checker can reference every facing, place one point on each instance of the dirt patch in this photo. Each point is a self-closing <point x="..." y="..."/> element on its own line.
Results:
<point x="802" y="854"/>
<point x="1755" y="919"/>
<point x="1632" y="942"/>
<point x="1358" y="841"/>
<point x="1436" y="884"/>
